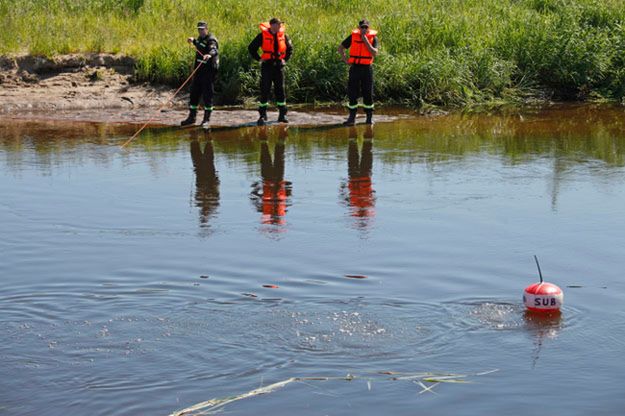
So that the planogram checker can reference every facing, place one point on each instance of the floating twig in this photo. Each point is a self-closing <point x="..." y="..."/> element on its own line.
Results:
<point x="426" y="388"/>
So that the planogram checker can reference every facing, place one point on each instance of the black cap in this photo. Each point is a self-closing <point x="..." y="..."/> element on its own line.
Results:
<point x="275" y="20"/>
<point x="363" y="22"/>
<point x="202" y="25"/>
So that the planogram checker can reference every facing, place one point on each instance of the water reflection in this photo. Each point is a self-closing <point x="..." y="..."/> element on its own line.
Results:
<point x="572" y="135"/>
<point x="358" y="191"/>
<point x="271" y="195"/>
<point x="206" y="180"/>
<point x="542" y="326"/>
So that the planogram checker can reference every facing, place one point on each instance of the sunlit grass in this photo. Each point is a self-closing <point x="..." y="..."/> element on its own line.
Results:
<point x="442" y="52"/>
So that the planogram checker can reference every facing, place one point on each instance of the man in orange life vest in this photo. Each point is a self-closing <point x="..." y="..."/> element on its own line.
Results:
<point x="363" y="47"/>
<point x="274" y="199"/>
<point x="361" y="197"/>
<point x="277" y="50"/>
<point x="206" y="55"/>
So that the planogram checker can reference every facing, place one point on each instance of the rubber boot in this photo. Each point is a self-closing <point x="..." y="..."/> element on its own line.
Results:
<point x="190" y="119"/>
<point x="369" y="113"/>
<point x="262" y="111"/>
<point x="351" y="120"/>
<point x="282" y="114"/>
<point x="207" y="118"/>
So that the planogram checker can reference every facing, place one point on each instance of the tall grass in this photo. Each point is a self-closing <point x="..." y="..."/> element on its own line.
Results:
<point x="441" y="52"/>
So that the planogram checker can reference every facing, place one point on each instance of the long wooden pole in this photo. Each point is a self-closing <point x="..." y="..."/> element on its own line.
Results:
<point x="166" y="102"/>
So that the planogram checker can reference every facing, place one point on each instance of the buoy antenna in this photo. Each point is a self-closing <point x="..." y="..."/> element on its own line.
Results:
<point x="539" y="272"/>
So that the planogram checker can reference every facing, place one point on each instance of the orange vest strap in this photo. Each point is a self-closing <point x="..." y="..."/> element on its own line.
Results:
<point x="264" y="26"/>
<point x="371" y="32"/>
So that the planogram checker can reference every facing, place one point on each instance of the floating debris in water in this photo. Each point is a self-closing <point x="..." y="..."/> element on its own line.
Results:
<point x="356" y="276"/>
<point x="203" y="276"/>
<point x="271" y="286"/>
<point x="213" y="405"/>
<point x="250" y="295"/>
<point x="581" y="287"/>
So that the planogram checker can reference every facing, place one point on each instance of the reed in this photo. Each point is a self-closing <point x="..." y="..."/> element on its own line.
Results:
<point x="440" y="52"/>
<point x="214" y="406"/>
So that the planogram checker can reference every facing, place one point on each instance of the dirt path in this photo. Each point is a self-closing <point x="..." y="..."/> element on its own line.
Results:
<point x="100" y="88"/>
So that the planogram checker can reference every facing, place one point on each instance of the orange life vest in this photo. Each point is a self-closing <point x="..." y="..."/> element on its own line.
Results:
<point x="361" y="197"/>
<point x="358" y="52"/>
<point x="275" y="201"/>
<point x="269" y="51"/>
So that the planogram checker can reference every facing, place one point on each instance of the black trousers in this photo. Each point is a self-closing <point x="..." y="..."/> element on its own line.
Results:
<point x="360" y="83"/>
<point x="203" y="85"/>
<point x="272" y="72"/>
<point x="359" y="166"/>
<point x="272" y="171"/>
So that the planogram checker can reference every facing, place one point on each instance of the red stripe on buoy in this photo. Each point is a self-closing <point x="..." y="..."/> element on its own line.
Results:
<point x="543" y="289"/>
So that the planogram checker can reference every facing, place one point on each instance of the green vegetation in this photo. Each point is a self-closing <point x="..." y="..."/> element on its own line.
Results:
<point x="439" y="52"/>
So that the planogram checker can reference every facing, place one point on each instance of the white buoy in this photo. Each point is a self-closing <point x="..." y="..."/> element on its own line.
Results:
<point x="543" y="296"/>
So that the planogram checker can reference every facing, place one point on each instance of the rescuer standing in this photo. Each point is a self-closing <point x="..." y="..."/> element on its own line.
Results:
<point x="363" y="47"/>
<point x="277" y="49"/>
<point x="206" y="55"/>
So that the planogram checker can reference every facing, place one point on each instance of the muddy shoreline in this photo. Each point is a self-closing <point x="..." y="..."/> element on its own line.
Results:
<point x="73" y="82"/>
<point x="101" y="88"/>
<point x="222" y="118"/>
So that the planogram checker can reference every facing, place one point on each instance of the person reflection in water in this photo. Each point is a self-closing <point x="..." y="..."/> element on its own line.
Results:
<point x="272" y="195"/>
<point x="206" y="179"/>
<point x="358" y="192"/>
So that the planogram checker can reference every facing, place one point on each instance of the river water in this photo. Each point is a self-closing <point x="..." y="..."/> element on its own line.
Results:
<point x="194" y="266"/>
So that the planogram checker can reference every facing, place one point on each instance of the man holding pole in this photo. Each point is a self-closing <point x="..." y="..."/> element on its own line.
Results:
<point x="277" y="50"/>
<point x="206" y="56"/>
<point x="363" y="47"/>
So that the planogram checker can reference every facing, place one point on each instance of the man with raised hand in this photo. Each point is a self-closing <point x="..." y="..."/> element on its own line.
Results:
<point x="206" y="55"/>
<point x="363" y="47"/>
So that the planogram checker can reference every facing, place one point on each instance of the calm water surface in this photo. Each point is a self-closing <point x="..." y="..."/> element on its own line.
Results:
<point x="194" y="266"/>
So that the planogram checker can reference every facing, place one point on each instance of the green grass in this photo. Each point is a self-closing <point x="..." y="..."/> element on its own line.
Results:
<point x="439" y="52"/>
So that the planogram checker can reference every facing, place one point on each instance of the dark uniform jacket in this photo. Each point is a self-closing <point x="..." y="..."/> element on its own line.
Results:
<point x="207" y="45"/>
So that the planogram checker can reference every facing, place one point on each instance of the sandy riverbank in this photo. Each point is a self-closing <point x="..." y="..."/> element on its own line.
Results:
<point x="101" y="88"/>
